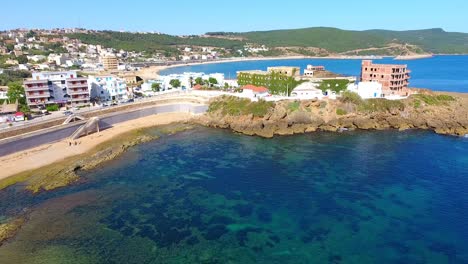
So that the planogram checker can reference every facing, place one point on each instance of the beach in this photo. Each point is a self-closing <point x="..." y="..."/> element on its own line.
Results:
<point x="55" y="152"/>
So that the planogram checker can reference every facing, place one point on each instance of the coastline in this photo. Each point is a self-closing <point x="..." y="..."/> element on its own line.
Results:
<point x="45" y="155"/>
<point x="154" y="71"/>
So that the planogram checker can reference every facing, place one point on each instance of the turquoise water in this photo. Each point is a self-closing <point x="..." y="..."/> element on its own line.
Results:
<point x="440" y="73"/>
<point x="211" y="196"/>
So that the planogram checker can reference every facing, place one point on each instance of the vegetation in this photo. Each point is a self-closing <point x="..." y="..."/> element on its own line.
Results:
<point x="371" y="105"/>
<point x="212" y="81"/>
<point x="234" y="106"/>
<point x="294" y="106"/>
<point x="334" y="85"/>
<point x="337" y="40"/>
<point x="152" y="43"/>
<point x="441" y="99"/>
<point x="16" y="94"/>
<point x="380" y="105"/>
<point x="175" y="83"/>
<point x="156" y="87"/>
<point x="277" y="83"/>
<point x="53" y="108"/>
<point x="9" y="76"/>
<point x="341" y="112"/>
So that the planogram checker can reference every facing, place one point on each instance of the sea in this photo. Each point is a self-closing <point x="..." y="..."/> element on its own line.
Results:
<point x="213" y="196"/>
<point x="439" y="73"/>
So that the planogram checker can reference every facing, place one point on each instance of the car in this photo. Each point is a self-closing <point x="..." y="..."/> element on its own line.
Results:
<point x="130" y="100"/>
<point x="67" y="113"/>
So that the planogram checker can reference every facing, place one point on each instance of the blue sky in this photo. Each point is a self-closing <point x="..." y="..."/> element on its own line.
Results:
<point x="196" y="17"/>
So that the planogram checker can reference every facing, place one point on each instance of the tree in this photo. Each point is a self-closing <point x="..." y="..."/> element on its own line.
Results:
<point x="226" y="85"/>
<point x="156" y="87"/>
<point x="22" y="59"/>
<point x="175" y="83"/>
<point x="212" y="81"/>
<point x="191" y="81"/>
<point x="199" y="81"/>
<point x="16" y="92"/>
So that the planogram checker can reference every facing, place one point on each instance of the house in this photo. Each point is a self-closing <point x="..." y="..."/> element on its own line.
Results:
<point x="3" y="93"/>
<point x="311" y="69"/>
<point x="198" y="87"/>
<point x="307" y="91"/>
<point x="252" y="91"/>
<point x="7" y="111"/>
<point x="367" y="90"/>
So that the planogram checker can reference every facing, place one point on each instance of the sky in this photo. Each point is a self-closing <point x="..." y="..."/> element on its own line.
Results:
<point x="184" y="17"/>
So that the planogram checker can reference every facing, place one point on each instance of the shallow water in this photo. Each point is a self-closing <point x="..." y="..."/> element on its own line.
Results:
<point x="210" y="196"/>
<point x="440" y="73"/>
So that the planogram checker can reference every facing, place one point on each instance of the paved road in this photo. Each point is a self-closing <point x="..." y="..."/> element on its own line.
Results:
<point x="12" y="145"/>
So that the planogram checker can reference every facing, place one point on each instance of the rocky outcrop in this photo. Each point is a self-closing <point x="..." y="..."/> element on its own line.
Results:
<point x="9" y="229"/>
<point x="447" y="117"/>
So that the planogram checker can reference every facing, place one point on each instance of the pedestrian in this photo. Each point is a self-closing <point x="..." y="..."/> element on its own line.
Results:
<point x="75" y="143"/>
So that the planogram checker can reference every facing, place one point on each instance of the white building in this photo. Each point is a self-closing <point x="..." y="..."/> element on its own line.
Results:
<point x="107" y="88"/>
<point x="367" y="90"/>
<point x="307" y="91"/>
<point x="62" y="88"/>
<point x="3" y="92"/>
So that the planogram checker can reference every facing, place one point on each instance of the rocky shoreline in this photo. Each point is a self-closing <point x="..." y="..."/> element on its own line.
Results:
<point x="442" y="114"/>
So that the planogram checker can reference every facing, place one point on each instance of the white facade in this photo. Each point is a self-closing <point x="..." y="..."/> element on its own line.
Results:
<point x="107" y="88"/>
<point x="3" y="94"/>
<point x="307" y="91"/>
<point x="367" y="90"/>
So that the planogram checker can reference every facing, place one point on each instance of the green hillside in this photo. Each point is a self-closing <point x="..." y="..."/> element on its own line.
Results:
<point x="331" y="40"/>
<point x="337" y="40"/>
<point x="151" y="43"/>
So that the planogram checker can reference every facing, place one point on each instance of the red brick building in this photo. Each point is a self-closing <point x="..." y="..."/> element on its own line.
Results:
<point x="394" y="78"/>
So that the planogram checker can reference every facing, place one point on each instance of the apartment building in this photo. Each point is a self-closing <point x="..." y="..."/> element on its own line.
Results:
<point x="110" y="62"/>
<point x="107" y="88"/>
<point x="393" y="77"/>
<point x="62" y="88"/>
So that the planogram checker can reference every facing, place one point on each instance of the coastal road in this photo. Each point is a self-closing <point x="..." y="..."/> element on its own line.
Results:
<point x="38" y="138"/>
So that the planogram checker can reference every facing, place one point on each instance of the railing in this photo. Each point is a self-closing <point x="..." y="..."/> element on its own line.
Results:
<point x="45" y="95"/>
<point x="37" y="88"/>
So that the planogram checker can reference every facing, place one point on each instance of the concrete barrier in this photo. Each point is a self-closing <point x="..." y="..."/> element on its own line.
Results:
<point x="53" y="134"/>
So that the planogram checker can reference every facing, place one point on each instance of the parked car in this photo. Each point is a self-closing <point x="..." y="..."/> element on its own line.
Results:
<point x="130" y="100"/>
<point x="67" y="113"/>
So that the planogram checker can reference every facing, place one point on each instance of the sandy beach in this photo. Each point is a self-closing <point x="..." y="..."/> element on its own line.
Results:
<point x="50" y="153"/>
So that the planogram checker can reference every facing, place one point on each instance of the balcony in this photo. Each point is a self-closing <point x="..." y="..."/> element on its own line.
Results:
<point x="37" y="88"/>
<point x="38" y="102"/>
<point x="38" y="95"/>
<point x="77" y="85"/>
<point x="78" y="92"/>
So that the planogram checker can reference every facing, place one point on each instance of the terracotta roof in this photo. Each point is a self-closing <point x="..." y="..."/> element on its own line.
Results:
<point x="197" y="87"/>
<point x="259" y="89"/>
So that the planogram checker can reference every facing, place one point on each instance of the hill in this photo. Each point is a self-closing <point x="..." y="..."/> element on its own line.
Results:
<point x="336" y="40"/>
<point x="318" y="41"/>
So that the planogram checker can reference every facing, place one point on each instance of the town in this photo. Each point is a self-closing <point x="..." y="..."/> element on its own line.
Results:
<point x="44" y="72"/>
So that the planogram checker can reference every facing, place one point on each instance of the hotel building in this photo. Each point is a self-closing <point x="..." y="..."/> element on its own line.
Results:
<point x="107" y="88"/>
<point x="110" y="63"/>
<point x="394" y="78"/>
<point x="62" y="88"/>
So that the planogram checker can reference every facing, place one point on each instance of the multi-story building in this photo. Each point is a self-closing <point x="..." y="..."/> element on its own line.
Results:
<point x="110" y="62"/>
<point x="288" y="71"/>
<point x="311" y="69"/>
<point x="265" y="78"/>
<point x="107" y="88"/>
<point x="394" y="78"/>
<point x="62" y="88"/>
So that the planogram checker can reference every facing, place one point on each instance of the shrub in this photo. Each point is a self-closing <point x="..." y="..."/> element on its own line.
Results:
<point x="341" y="112"/>
<point x="52" y="108"/>
<point x="441" y="99"/>
<point x="380" y="105"/>
<point x="351" y="97"/>
<point x="294" y="106"/>
<point x="229" y="105"/>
